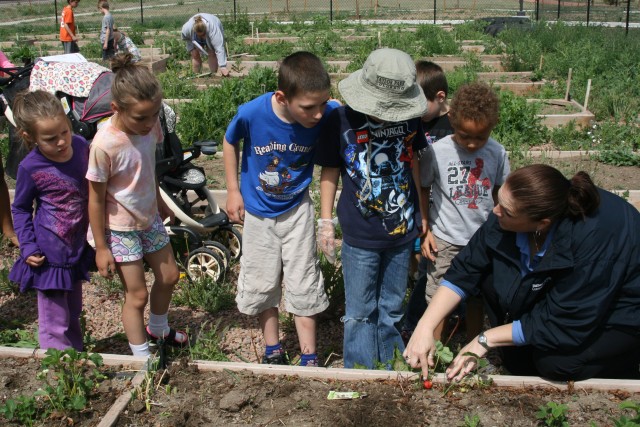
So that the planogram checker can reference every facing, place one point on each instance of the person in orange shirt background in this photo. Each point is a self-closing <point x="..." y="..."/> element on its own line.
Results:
<point x="68" y="28"/>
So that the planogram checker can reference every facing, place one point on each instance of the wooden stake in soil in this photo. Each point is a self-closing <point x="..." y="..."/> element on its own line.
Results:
<point x="379" y="40"/>
<point x="586" y="96"/>
<point x="541" y="62"/>
<point x="566" y="95"/>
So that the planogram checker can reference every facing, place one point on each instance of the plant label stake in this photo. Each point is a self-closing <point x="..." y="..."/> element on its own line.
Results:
<point x="586" y="96"/>
<point x="566" y="95"/>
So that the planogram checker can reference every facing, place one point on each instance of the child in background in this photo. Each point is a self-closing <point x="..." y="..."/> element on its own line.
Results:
<point x="464" y="171"/>
<point x="280" y="131"/>
<point x="68" y="28"/>
<point x="6" y="223"/>
<point x="373" y="144"/>
<point x="54" y="255"/>
<point x="125" y="45"/>
<point x="436" y="125"/>
<point x="126" y="209"/>
<point x="106" y="31"/>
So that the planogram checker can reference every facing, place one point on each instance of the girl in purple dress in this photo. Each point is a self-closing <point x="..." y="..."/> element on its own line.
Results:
<point x="54" y="254"/>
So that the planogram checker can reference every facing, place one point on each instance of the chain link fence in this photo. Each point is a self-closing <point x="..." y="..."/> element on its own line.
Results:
<point x="27" y="15"/>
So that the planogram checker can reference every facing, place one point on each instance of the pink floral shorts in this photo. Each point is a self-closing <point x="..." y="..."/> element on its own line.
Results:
<point x="128" y="246"/>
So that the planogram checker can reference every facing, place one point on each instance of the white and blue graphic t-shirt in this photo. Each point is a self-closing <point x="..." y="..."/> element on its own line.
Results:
<point x="277" y="157"/>
<point x="378" y="207"/>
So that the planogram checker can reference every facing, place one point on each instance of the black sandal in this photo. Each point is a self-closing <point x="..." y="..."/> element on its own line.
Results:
<point x="169" y="339"/>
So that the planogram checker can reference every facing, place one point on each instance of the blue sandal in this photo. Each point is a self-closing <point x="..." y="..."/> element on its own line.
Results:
<point x="169" y="339"/>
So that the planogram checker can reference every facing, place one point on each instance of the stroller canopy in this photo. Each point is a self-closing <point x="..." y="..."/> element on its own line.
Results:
<point x="88" y="83"/>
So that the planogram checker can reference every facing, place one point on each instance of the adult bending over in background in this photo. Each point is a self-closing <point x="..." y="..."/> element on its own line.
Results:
<point x="564" y="301"/>
<point x="206" y="30"/>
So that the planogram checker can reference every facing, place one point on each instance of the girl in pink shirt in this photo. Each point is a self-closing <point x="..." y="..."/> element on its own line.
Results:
<point x="125" y="207"/>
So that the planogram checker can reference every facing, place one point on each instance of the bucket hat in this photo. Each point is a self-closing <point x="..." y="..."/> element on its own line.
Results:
<point x="385" y="87"/>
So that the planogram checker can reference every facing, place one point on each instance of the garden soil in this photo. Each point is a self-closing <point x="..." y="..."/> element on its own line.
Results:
<point x="194" y="398"/>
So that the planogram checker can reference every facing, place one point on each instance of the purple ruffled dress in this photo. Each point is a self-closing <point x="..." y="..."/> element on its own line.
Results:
<point x="58" y="230"/>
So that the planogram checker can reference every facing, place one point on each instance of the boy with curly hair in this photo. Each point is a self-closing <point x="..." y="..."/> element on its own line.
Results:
<point x="463" y="172"/>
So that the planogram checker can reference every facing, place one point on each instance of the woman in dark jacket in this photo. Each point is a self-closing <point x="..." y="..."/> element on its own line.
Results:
<point x="558" y="266"/>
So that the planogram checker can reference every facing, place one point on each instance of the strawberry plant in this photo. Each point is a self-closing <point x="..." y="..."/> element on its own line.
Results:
<point x="69" y="376"/>
<point x="553" y="415"/>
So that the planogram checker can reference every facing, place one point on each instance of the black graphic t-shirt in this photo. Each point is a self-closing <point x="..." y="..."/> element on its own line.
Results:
<point x="378" y="207"/>
<point x="437" y="128"/>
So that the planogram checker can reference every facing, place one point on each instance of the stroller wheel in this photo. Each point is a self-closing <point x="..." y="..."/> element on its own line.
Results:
<point x="220" y="250"/>
<point x="202" y="263"/>
<point x="231" y="239"/>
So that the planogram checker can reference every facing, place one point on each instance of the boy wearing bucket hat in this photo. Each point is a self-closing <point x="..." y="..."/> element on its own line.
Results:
<point x="372" y="144"/>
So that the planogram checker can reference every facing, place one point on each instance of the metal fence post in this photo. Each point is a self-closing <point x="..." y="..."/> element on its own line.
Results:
<point x="55" y="14"/>
<point x="331" y="11"/>
<point x="588" y="11"/>
<point x="626" y="31"/>
<point x="537" y="10"/>
<point x="141" y="13"/>
<point x="558" y="10"/>
<point x="235" y="9"/>
<point x="435" y="5"/>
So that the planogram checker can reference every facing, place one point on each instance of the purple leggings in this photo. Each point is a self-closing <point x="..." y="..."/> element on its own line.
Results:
<point x="59" y="318"/>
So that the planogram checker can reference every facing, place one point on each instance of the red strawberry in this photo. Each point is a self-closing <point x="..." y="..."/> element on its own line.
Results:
<point x="427" y="384"/>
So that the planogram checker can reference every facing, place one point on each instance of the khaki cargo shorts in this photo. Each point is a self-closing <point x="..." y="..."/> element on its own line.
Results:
<point x="281" y="251"/>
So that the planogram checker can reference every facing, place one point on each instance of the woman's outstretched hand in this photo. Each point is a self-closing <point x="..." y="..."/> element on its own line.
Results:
<point x="463" y="365"/>
<point x="420" y="351"/>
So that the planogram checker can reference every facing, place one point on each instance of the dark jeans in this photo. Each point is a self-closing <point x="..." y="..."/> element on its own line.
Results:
<point x="109" y="52"/>
<point x="614" y="353"/>
<point x="416" y="306"/>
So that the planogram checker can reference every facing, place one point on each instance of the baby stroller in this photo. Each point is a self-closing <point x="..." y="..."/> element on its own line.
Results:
<point x="204" y="239"/>
<point x="195" y="239"/>
<point x="84" y="89"/>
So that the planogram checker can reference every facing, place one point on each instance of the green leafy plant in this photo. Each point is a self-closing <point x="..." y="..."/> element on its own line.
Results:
<point x="23" y="409"/>
<point x="625" y="421"/>
<point x="207" y="343"/>
<point x="23" y="53"/>
<point x="220" y="104"/>
<point x="69" y="376"/>
<point x="21" y="338"/>
<point x="175" y="86"/>
<point x="518" y="126"/>
<point x="205" y="294"/>
<point x="553" y="415"/>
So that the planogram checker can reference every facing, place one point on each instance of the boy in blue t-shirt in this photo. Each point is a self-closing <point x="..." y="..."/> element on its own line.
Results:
<point x="372" y="144"/>
<point x="280" y="131"/>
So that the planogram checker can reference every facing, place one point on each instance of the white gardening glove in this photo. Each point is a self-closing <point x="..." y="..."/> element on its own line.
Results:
<point x="327" y="239"/>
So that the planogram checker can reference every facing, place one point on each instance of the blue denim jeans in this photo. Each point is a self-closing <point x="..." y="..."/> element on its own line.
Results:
<point x="375" y="283"/>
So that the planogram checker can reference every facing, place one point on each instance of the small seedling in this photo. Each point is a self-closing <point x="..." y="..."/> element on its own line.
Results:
<point x="553" y="415"/>
<point x="471" y="421"/>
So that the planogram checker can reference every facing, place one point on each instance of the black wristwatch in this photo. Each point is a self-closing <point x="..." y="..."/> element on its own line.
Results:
<point x="482" y="340"/>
